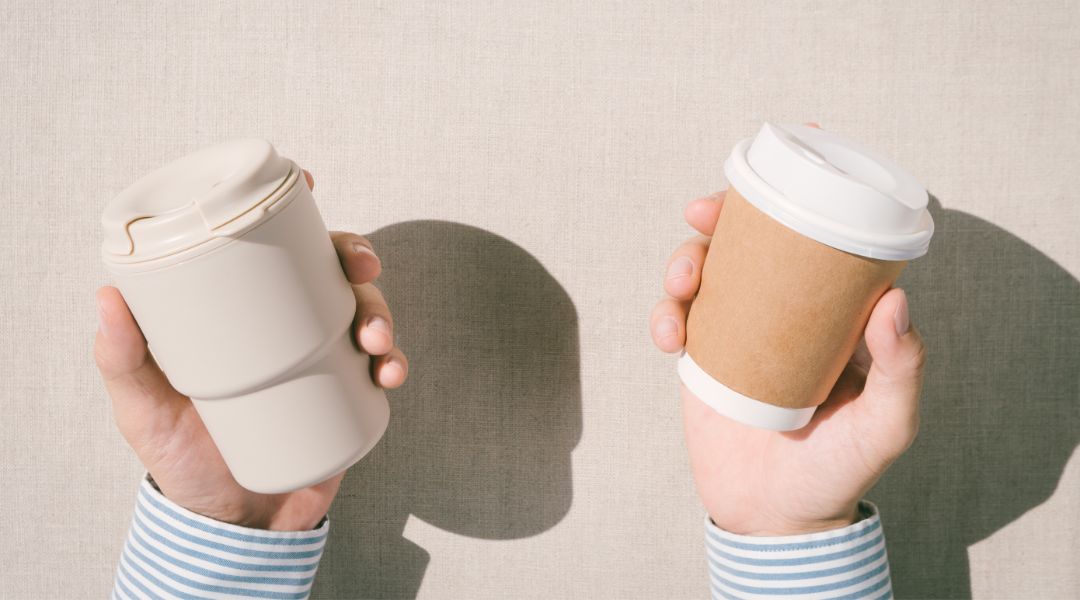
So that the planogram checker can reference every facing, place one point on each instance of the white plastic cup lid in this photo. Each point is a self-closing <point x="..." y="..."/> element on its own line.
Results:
<point x="193" y="199"/>
<point x="833" y="190"/>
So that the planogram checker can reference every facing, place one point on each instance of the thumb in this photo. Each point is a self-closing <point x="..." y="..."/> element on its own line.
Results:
<point x="894" y="380"/>
<point x="142" y="396"/>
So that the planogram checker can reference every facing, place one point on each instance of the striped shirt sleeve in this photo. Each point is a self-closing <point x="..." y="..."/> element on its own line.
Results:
<point x="172" y="552"/>
<point x="849" y="562"/>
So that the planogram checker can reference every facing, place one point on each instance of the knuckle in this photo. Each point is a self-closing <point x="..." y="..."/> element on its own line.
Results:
<point x="920" y="356"/>
<point x="378" y="298"/>
<point x="367" y="293"/>
<point x="99" y="358"/>
<point x="372" y="302"/>
<point x="346" y="239"/>
<point x="356" y="238"/>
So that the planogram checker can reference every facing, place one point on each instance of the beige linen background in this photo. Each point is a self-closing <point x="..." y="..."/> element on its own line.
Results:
<point x="523" y="167"/>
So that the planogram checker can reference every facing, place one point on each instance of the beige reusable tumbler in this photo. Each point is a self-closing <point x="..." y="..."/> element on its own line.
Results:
<point x="228" y="268"/>
<point x="814" y="230"/>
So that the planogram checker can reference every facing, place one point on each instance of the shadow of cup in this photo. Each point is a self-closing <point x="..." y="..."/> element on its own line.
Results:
<point x="1001" y="400"/>
<point x="480" y="435"/>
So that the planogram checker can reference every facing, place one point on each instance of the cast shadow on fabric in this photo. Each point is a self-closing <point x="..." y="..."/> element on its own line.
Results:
<point x="480" y="435"/>
<point x="1001" y="401"/>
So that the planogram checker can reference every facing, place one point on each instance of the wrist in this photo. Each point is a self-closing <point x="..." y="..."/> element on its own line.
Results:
<point x="254" y="512"/>
<point x="766" y="525"/>
<point x="270" y="516"/>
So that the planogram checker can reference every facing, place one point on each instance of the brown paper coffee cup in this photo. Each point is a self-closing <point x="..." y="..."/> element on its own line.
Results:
<point x="779" y="314"/>
<point x="813" y="231"/>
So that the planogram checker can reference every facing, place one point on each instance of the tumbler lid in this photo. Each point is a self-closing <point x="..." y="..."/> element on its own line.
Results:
<point x="208" y="194"/>
<point x="834" y="191"/>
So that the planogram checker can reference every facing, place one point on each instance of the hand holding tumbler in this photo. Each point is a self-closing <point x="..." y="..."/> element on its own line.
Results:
<point x="228" y="268"/>
<point x="814" y="230"/>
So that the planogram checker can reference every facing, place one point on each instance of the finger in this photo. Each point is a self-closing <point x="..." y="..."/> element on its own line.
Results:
<point x="894" y="381"/>
<point x="134" y="381"/>
<point x="667" y="324"/>
<point x="310" y="179"/>
<point x="682" y="276"/>
<point x="358" y="258"/>
<point x="374" y="324"/>
<point x="391" y="369"/>
<point x="813" y="124"/>
<point x="702" y="214"/>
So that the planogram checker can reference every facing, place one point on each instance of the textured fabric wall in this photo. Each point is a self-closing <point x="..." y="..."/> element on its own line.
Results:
<point x="523" y="167"/>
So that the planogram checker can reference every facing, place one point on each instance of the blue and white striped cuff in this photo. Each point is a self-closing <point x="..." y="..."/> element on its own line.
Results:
<point x="172" y="552"/>
<point x="842" y="563"/>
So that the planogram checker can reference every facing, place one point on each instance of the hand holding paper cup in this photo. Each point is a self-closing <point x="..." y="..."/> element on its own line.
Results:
<point x="815" y="230"/>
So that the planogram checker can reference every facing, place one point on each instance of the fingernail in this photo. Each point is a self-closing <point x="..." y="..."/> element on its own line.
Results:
<point x="388" y="369"/>
<point x="680" y="267"/>
<point x="666" y="328"/>
<point x="103" y="327"/>
<point x="379" y="324"/>
<point x="901" y="317"/>
<point x="359" y="248"/>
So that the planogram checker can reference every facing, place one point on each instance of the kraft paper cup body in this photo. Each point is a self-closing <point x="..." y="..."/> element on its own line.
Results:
<point x="253" y="323"/>
<point x="780" y="312"/>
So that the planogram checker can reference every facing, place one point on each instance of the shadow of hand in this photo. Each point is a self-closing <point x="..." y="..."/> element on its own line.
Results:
<point x="480" y="436"/>
<point x="1001" y="400"/>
